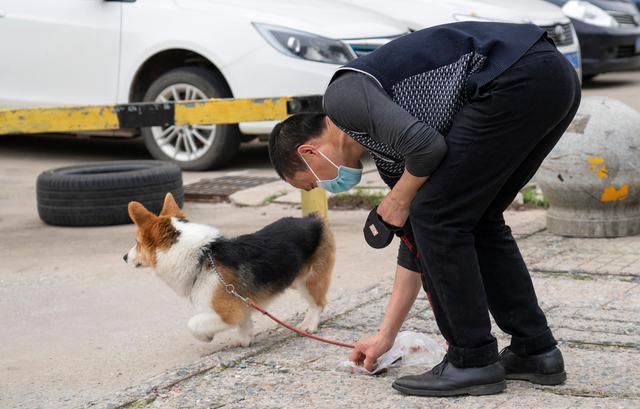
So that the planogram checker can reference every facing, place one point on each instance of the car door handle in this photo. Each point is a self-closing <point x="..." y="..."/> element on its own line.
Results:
<point x="2" y="13"/>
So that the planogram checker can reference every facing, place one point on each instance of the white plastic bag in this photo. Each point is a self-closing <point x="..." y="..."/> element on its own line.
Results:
<point x="409" y="349"/>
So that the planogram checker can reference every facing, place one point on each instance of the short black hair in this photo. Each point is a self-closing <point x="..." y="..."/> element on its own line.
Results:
<point x="287" y="136"/>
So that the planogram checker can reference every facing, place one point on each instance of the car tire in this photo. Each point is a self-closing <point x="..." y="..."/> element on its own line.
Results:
<point x="98" y="194"/>
<point x="224" y="139"/>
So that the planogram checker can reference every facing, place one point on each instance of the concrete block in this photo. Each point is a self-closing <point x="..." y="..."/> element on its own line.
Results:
<point x="592" y="176"/>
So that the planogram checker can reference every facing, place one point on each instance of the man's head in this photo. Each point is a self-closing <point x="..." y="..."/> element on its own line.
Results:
<point x="306" y="138"/>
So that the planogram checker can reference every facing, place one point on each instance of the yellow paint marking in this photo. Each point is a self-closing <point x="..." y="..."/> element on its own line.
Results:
<point x="602" y="173"/>
<point x="57" y="119"/>
<point x="229" y="111"/>
<point x="597" y="166"/>
<point x="595" y="161"/>
<point x="612" y="194"/>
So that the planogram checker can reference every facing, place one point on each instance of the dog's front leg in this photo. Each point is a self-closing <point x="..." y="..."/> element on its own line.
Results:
<point x="245" y="330"/>
<point x="206" y="325"/>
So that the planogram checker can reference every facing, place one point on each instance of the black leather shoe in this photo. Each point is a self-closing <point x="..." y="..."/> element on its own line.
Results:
<point x="447" y="380"/>
<point x="544" y="369"/>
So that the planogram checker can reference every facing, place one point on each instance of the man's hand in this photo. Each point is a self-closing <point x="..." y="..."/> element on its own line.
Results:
<point x="369" y="349"/>
<point x="405" y="290"/>
<point x="394" y="208"/>
<point x="393" y="211"/>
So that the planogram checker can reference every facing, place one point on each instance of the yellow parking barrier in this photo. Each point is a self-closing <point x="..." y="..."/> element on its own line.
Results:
<point x="146" y="114"/>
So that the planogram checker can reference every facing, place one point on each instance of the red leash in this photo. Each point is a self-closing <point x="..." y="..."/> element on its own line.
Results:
<point x="298" y="331"/>
<point x="253" y="305"/>
<point x="229" y="288"/>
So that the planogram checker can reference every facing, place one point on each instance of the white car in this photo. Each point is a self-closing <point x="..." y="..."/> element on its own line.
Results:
<point x="73" y="52"/>
<point x="418" y="14"/>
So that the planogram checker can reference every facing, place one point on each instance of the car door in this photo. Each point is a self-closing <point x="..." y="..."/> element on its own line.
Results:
<point x="59" y="52"/>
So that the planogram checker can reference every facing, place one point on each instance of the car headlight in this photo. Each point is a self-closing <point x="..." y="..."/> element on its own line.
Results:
<point x="307" y="46"/>
<point x="588" y="13"/>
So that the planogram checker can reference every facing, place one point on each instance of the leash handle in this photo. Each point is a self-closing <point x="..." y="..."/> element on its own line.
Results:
<point x="298" y="331"/>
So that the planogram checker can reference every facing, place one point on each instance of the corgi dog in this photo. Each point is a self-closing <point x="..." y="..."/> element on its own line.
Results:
<point x="188" y="257"/>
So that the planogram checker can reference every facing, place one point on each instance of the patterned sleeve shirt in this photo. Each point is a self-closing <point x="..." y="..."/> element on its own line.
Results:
<point x="356" y="102"/>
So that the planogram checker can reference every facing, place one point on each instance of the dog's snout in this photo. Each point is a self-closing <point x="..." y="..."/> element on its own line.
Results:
<point x="125" y="257"/>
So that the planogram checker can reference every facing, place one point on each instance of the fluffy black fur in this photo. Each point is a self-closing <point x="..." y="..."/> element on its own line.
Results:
<point x="271" y="257"/>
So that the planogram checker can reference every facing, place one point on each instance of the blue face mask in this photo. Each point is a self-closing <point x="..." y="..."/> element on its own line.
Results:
<point x="346" y="179"/>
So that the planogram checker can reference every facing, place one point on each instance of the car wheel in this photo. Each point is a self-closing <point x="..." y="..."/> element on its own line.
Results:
<point x="192" y="147"/>
<point x="98" y="194"/>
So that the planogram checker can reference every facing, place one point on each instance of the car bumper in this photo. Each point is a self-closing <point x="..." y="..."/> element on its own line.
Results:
<point x="608" y="49"/>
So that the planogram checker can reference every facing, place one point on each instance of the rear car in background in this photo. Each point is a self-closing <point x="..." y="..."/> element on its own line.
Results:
<point x="609" y="33"/>
<point x="418" y="14"/>
<point x="80" y="52"/>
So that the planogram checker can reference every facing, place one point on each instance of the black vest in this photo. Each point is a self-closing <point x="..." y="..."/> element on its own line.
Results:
<point x="432" y="72"/>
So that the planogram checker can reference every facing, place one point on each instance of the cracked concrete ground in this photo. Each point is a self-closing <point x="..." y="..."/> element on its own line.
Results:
<point x="593" y="311"/>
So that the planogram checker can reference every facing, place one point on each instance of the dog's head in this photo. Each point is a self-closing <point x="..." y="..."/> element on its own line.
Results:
<point x="168" y="244"/>
<point x="154" y="234"/>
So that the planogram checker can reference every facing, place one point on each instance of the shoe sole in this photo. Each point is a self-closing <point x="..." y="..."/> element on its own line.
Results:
<point x="477" y="390"/>
<point x="540" y="379"/>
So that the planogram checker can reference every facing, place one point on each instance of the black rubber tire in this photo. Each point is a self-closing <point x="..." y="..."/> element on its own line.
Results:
<point x="98" y="194"/>
<point x="227" y="138"/>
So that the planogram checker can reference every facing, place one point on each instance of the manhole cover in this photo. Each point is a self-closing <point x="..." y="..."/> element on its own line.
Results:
<point x="218" y="189"/>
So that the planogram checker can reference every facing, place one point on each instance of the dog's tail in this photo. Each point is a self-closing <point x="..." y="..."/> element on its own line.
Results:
<point x="327" y="234"/>
<point x="327" y="245"/>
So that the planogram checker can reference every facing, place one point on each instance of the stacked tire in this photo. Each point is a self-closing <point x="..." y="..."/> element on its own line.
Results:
<point x="99" y="194"/>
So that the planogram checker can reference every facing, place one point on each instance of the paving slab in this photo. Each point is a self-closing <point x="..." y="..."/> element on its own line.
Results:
<point x="614" y="256"/>
<point x="282" y="193"/>
<point x="263" y="194"/>
<point x="526" y="223"/>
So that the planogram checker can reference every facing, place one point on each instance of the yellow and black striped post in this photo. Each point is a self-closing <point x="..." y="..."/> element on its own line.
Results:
<point x="145" y="114"/>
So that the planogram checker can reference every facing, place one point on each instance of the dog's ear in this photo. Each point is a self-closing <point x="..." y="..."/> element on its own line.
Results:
<point x="171" y="208"/>
<point x="140" y="215"/>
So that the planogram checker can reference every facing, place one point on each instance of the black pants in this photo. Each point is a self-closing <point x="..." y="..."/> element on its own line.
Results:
<point x="471" y="263"/>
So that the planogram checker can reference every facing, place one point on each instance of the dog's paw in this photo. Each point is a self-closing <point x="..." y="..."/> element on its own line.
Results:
<point x="245" y="342"/>
<point x="308" y="326"/>
<point x="198" y="332"/>
<point x="202" y="337"/>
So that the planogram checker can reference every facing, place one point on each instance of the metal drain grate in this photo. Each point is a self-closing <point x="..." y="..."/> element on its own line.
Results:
<point x="218" y="189"/>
